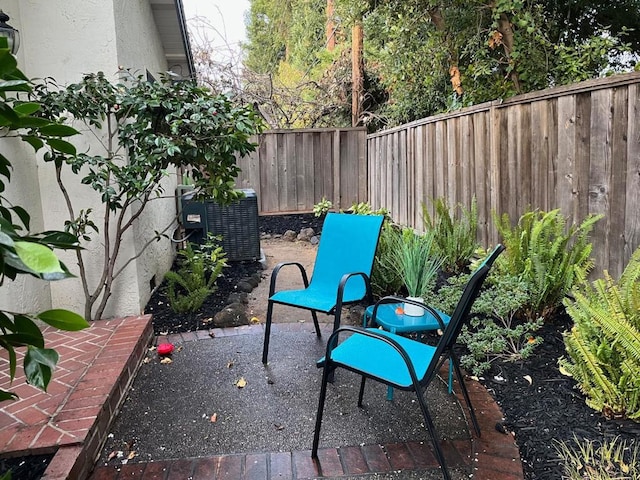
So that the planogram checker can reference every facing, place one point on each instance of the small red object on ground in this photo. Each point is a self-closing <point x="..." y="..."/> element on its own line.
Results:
<point x="165" y="348"/>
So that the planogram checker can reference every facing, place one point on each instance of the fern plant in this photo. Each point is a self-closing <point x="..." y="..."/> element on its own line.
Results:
<point x="546" y="255"/>
<point x="188" y="288"/>
<point x="604" y="343"/>
<point x="455" y="233"/>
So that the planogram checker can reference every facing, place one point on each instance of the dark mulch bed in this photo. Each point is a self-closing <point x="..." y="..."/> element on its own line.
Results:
<point x="165" y="321"/>
<point x="548" y="410"/>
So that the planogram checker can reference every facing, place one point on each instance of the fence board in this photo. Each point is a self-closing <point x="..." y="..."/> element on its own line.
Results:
<point x="575" y="147"/>
<point x="292" y="170"/>
<point x="631" y="231"/>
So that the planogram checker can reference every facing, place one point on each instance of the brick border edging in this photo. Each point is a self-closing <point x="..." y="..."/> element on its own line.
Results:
<point x="78" y="459"/>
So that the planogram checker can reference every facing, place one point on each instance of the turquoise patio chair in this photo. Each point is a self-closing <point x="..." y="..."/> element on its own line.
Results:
<point x="383" y="314"/>
<point x="401" y="362"/>
<point x="341" y="271"/>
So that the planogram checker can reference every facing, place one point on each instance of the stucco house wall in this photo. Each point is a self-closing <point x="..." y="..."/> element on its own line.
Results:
<point x="65" y="40"/>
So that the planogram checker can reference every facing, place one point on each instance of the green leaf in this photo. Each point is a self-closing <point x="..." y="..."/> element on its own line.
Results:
<point x="7" y="116"/>
<point x="57" y="130"/>
<point x="14" y="86"/>
<point x="32" y="122"/>
<point x="24" y="325"/>
<point x="37" y="257"/>
<point x="26" y="108"/>
<point x="61" y="146"/>
<point x="8" y="63"/>
<point x="23" y="215"/>
<point x="5" y="395"/>
<point x="59" y="239"/>
<point x="35" y="142"/>
<point x="38" y="366"/>
<point x="63" y="319"/>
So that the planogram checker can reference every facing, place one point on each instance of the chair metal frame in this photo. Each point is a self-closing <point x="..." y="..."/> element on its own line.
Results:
<point x="334" y="308"/>
<point x="350" y="349"/>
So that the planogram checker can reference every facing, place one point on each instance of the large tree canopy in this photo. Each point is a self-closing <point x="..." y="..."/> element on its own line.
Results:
<point x="431" y="56"/>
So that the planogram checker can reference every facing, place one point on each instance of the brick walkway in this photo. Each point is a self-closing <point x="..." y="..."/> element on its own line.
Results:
<point x="96" y="368"/>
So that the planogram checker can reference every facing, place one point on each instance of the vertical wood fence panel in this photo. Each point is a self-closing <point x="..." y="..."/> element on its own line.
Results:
<point x="575" y="148"/>
<point x="292" y="170"/>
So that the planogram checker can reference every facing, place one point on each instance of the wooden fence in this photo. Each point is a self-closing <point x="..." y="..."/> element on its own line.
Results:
<point x="576" y="148"/>
<point x="292" y="170"/>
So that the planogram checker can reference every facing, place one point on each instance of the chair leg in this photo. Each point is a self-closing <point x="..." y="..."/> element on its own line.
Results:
<point x="315" y="323"/>
<point x="267" y="333"/>
<point x="361" y="394"/>
<point x="465" y="394"/>
<point x="323" y="395"/>
<point x="432" y="432"/>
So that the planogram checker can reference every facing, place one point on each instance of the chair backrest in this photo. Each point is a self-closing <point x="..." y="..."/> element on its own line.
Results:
<point x="347" y="244"/>
<point x="461" y="313"/>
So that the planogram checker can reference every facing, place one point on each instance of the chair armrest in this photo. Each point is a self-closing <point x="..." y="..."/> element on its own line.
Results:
<point x="395" y="299"/>
<point x="343" y="284"/>
<point x="276" y="270"/>
<point x="375" y="334"/>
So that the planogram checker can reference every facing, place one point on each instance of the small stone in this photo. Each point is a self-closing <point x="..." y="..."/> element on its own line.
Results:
<point x="315" y="240"/>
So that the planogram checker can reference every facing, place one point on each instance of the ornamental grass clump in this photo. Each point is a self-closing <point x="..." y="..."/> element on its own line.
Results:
<point x="415" y="261"/>
<point x="611" y="460"/>
<point x="604" y="343"/>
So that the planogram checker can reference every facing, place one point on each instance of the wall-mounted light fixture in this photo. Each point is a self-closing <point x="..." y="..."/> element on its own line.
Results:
<point x="12" y="35"/>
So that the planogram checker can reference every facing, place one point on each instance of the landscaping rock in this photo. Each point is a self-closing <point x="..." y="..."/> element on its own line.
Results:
<point x="289" y="236"/>
<point x="244" y="286"/>
<point x="315" y="240"/>
<point x="306" y="234"/>
<point x="238" y="297"/>
<point x="232" y="315"/>
<point x="251" y="281"/>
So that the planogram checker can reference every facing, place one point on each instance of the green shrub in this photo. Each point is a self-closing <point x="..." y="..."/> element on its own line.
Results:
<point x="322" y="207"/>
<point x="494" y="331"/>
<point x="455" y="234"/>
<point x="546" y="255"/>
<point x="604" y="343"/>
<point x="611" y="460"/>
<point x="188" y="288"/>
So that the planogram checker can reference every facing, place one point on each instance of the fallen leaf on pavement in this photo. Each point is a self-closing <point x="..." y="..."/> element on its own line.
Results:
<point x="131" y="454"/>
<point x="166" y="360"/>
<point x="112" y="454"/>
<point x="214" y="418"/>
<point x="255" y="320"/>
<point x="241" y="383"/>
<point x="528" y="379"/>
<point x="229" y="364"/>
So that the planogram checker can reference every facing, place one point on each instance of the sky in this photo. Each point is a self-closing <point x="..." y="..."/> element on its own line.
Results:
<point x="226" y="17"/>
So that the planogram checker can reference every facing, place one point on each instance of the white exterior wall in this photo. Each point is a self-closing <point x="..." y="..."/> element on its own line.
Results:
<point x="65" y="40"/>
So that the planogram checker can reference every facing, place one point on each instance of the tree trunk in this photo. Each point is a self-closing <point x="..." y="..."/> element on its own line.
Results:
<point x="331" y="26"/>
<point x="357" y="68"/>
<point x="504" y="27"/>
